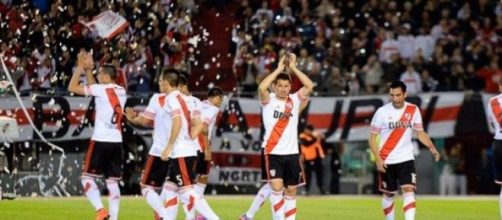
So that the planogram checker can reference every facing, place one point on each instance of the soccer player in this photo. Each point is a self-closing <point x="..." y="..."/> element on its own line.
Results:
<point x="182" y="156"/>
<point x="266" y="189"/>
<point x="280" y="114"/>
<point x="395" y="123"/>
<point x="202" y="133"/>
<point x="155" y="170"/>
<point x="495" y="117"/>
<point x="105" y="154"/>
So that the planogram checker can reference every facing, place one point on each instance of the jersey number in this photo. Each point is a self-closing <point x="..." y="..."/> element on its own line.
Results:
<point x="180" y="181"/>
<point x="116" y="111"/>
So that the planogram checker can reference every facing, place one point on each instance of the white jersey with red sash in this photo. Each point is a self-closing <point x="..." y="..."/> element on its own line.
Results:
<point x="110" y="100"/>
<point x="280" y="118"/>
<point x="176" y="106"/>
<point x="395" y="127"/>
<point x="194" y="105"/>
<point x="208" y="115"/>
<point x="495" y="115"/>
<point x="161" y="123"/>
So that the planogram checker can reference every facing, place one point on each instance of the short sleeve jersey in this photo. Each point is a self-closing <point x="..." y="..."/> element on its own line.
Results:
<point x="109" y="100"/>
<point x="395" y="127"/>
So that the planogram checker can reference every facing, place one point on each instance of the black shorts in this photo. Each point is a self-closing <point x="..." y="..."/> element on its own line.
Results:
<point x="285" y="167"/>
<point x="497" y="158"/>
<point x="103" y="158"/>
<point x="400" y="174"/>
<point x="203" y="167"/>
<point x="155" y="172"/>
<point x="182" y="171"/>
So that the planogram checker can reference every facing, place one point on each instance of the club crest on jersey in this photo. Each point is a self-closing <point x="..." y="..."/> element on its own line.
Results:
<point x="272" y="172"/>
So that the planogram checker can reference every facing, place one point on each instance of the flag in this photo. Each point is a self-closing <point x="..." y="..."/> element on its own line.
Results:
<point x="108" y="24"/>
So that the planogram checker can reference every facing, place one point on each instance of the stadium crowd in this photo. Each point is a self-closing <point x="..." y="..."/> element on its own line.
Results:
<point x="40" y="40"/>
<point x="356" y="47"/>
<point x="348" y="47"/>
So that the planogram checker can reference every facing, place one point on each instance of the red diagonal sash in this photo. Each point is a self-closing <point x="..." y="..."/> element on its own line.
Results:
<point x="117" y="108"/>
<point x="397" y="133"/>
<point x="162" y="101"/>
<point x="186" y="112"/>
<point x="496" y="110"/>
<point x="279" y="128"/>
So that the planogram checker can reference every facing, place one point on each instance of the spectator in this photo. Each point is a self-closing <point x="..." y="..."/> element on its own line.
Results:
<point x="406" y="42"/>
<point x="428" y="83"/>
<point x="373" y="75"/>
<point x="412" y="80"/>
<point x="453" y="180"/>
<point x="312" y="154"/>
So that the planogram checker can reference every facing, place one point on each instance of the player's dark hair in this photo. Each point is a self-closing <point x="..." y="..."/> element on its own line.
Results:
<point x="398" y="84"/>
<point x="171" y="76"/>
<point x="109" y="70"/>
<point x="183" y="79"/>
<point x="282" y="76"/>
<point x="215" y="91"/>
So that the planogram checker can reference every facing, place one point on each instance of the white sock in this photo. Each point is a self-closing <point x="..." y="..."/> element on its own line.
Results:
<point x="500" y="203"/>
<point x="113" y="198"/>
<point x="188" y="209"/>
<point x="193" y="201"/>
<point x="153" y="199"/>
<point x="170" y="198"/>
<point x="409" y="205"/>
<point x="290" y="207"/>
<point x="259" y="199"/>
<point x="200" y="188"/>
<point x="277" y="203"/>
<point x="388" y="207"/>
<point x="92" y="193"/>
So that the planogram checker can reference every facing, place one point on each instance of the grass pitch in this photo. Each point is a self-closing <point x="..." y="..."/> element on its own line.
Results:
<point x="231" y="207"/>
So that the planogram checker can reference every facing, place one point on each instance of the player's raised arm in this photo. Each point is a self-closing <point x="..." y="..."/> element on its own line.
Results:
<point x="84" y="65"/>
<point x="426" y="140"/>
<point x="265" y="83"/>
<point x="308" y="85"/>
<point x="89" y="64"/>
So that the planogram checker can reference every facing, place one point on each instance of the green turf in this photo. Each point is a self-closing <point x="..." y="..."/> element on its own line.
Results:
<point x="228" y="207"/>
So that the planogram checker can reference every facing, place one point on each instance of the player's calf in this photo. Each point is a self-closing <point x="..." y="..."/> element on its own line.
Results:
<point x="388" y="206"/>
<point x="409" y="205"/>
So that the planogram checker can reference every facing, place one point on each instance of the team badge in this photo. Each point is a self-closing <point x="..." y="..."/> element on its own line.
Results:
<point x="272" y="173"/>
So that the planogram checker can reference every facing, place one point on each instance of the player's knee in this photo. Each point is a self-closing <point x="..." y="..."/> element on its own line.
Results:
<point x="145" y="191"/>
<point x="290" y="191"/>
<point x="113" y="187"/>
<point x="88" y="183"/>
<point x="277" y="186"/>
<point x="389" y="195"/>
<point x="408" y="189"/>
<point x="202" y="179"/>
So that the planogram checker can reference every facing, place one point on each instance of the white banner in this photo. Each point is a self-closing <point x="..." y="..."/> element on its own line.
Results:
<point x="237" y="138"/>
<point x="107" y="24"/>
